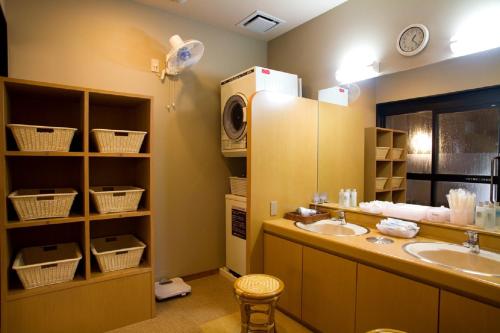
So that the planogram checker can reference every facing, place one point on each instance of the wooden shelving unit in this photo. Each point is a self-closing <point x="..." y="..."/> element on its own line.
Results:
<point x="387" y="167"/>
<point x="38" y="103"/>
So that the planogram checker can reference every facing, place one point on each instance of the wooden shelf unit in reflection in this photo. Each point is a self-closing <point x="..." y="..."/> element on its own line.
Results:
<point x="388" y="167"/>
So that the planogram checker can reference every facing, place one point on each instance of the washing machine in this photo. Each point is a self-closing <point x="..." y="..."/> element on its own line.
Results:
<point x="235" y="95"/>
<point x="236" y="233"/>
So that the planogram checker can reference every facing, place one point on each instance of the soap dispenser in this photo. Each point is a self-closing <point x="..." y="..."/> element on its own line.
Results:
<point x="341" y="197"/>
<point x="354" y="198"/>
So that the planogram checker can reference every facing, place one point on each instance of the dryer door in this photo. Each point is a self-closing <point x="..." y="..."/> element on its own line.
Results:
<point x="234" y="117"/>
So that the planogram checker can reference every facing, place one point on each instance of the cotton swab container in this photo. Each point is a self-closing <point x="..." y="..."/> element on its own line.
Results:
<point x="462" y="206"/>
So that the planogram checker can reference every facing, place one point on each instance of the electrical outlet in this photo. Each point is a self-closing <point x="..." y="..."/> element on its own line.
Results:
<point x="155" y="65"/>
<point x="274" y="208"/>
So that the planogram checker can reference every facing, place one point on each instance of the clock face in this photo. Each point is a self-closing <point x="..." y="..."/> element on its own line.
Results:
<point x="412" y="40"/>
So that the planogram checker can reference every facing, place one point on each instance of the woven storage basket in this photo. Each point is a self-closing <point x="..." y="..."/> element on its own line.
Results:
<point x="381" y="153"/>
<point x="117" y="252"/>
<point x="44" y="265"/>
<point x="114" y="199"/>
<point x="396" y="182"/>
<point x="43" y="203"/>
<point x="42" y="138"/>
<point x="238" y="186"/>
<point x="117" y="141"/>
<point x="396" y="153"/>
<point x="380" y="183"/>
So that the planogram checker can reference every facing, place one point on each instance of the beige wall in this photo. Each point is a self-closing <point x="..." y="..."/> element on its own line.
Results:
<point x="341" y="143"/>
<point x="315" y="49"/>
<point x="469" y="72"/>
<point x="108" y="45"/>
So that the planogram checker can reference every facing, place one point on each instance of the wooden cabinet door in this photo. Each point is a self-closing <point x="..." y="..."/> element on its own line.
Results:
<point x="458" y="314"/>
<point x="283" y="259"/>
<point x="386" y="300"/>
<point x="328" y="291"/>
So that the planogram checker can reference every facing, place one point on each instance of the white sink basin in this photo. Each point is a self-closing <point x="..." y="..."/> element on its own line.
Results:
<point x="333" y="228"/>
<point x="458" y="257"/>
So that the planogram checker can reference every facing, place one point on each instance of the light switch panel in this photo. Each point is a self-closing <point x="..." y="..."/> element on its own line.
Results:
<point x="274" y="208"/>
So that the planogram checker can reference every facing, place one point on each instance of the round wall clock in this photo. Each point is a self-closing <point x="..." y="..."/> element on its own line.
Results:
<point x="412" y="40"/>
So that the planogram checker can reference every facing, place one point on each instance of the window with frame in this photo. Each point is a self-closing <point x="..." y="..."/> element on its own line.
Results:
<point x="452" y="139"/>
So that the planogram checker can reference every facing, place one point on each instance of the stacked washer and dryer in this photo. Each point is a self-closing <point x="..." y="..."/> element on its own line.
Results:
<point x="236" y="92"/>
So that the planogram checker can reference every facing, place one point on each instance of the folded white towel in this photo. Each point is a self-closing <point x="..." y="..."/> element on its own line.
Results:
<point x="306" y="211"/>
<point x="399" y="228"/>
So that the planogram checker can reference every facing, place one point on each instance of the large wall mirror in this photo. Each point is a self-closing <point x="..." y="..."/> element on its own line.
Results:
<point x="451" y="111"/>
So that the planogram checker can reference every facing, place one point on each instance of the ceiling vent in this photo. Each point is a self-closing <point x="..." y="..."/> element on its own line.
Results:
<point x="260" y="22"/>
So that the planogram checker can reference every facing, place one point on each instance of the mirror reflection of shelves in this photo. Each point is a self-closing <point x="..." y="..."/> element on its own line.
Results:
<point x="385" y="164"/>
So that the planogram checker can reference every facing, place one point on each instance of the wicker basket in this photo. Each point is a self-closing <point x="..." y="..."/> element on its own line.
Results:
<point x="381" y="153"/>
<point x="396" y="182"/>
<point x="42" y="138"/>
<point x="396" y="153"/>
<point x="114" y="199"/>
<point x="43" y="203"/>
<point x="117" y="252"/>
<point x="380" y="183"/>
<point x="117" y="141"/>
<point x="238" y="186"/>
<point x="44" y="265"/>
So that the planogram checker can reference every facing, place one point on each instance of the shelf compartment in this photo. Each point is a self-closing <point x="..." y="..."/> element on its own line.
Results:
<point x="384" y="169"/>
<point x="19" y="238"/>
<point x="100" y="217"/>
<point x="399" y="140"/>
<point x="26" y="172"/>
<point x="383" y="196"/>
<point x="14" y="224"/>
<point x="44" y="153"/>
<point x="399" y="195"/>
<point x="121" y="172"/>
<point x="139" y="226"/>
<point x="42" y="105"/>
<point x="399" y="168"/>
<point x="128" y="155"/>
<point x="117" y="112"/>
<point x="384" y="138"/>
<point x="97" y="275"/>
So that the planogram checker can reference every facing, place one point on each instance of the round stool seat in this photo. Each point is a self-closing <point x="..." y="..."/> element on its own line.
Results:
<point x="258" y="295"/>
<point x="385" y="330"/>
<point x="258" y="286"/>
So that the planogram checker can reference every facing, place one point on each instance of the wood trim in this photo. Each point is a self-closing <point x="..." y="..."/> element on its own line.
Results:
<point x="200" y="275"/>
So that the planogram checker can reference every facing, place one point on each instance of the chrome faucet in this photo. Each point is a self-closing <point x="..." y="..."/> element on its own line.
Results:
<point x="342" y="217"/>
<point x="472" y="241"/>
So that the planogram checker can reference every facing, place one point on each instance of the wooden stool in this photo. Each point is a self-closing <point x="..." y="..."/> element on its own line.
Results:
<point x="257" y="295"/>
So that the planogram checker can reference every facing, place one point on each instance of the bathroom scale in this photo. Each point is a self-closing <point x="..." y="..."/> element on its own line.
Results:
<point x="166" y="289"/>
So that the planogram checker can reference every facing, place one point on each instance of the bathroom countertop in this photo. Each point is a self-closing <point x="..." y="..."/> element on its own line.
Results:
<point x="332" y="205"/>
<point x="391" y="257"/>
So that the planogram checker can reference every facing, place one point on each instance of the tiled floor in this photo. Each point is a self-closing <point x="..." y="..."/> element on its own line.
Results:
<point x="211" y="308"/>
